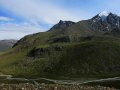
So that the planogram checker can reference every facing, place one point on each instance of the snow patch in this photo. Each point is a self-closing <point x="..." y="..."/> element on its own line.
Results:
<point x="104" y="15"/>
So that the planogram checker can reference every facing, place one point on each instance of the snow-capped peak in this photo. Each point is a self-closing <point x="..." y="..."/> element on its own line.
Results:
<point x="104" y="13"/>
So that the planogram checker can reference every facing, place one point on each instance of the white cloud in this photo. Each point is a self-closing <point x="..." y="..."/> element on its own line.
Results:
<point x="11" y="35"/>
<point x="35" y="14"/>
<point x="38" y="11"/>
<point x="14" y="31"/>
<point x="2" y="18"/>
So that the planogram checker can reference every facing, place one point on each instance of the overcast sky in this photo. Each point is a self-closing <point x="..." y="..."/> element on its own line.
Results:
<point x="22" y="17"/>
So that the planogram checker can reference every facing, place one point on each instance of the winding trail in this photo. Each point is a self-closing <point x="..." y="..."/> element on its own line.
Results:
<point x="10" y="77"/>
<point x="107" y="79"/>
<point x="79" y="81"/>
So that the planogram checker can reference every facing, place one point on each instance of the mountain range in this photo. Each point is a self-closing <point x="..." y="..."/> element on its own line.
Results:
<point x="6" y="44"/>
<point x="88" y="48"/>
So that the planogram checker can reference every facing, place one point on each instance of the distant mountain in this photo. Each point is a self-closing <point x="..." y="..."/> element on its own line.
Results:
<point x="102" y="23"/>
<point x="88" y="48"/>
<point x="106" y="22"/>
<point x="6" y="44"/>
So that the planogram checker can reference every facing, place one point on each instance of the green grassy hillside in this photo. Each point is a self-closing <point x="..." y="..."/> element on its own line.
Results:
<point x="91" y="56"/>
<point x="77" y="51"/>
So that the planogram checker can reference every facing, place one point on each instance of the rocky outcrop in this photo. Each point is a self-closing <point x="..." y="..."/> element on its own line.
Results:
<point x="106" y="22"/>
<point x="41" y="52"/>
<point x="63" y="24"/>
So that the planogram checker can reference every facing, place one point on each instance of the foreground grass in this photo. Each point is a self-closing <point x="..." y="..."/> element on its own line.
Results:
<point x="52" y="87"/>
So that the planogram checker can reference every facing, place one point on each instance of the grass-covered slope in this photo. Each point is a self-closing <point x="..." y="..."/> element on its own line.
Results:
<point x="73" y="51"/>
<point x="92" y="58"/>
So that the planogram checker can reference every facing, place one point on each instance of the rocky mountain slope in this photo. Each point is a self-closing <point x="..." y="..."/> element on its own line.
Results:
<point x="106" y="22"/>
